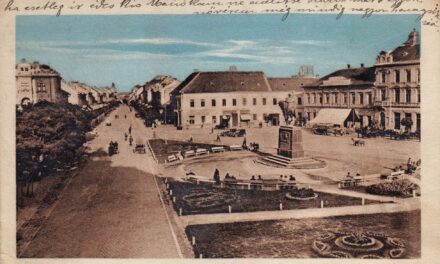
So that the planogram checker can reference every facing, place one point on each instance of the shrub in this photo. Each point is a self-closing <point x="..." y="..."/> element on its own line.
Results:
<point x="395" y="188"/>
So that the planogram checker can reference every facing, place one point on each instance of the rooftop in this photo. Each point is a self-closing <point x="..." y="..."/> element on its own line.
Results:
<point x="225" y="81"/>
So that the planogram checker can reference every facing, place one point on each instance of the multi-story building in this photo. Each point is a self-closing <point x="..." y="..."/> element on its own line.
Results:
<point x="397" y="85"/>
<point x="38" y="82"/>
<point x="241" y="98"/>
<point x="350" y="88"/>
<point x="294" y="86"/>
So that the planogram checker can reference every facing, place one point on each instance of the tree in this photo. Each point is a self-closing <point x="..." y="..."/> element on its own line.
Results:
<point x="407" y="123"/>
<point x="217" y="176"/>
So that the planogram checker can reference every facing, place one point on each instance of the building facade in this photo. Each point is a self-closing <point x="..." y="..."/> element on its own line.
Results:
<point x="37" y="82"/>
<point x="397" y="85"/>
<point x="350" y="88"/>
<point x="241" y="98"/>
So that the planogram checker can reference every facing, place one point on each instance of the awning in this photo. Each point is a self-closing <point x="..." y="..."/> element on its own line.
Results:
<point x="335" y="116"/>
<point x="245" y="117"/>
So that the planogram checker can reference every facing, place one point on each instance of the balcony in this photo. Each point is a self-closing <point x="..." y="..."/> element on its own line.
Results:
<point x="394" y="104"/>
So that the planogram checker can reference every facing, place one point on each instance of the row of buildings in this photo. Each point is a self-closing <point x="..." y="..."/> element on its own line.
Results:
<point x="380" y="95"/>
<point x="37" y="82"/>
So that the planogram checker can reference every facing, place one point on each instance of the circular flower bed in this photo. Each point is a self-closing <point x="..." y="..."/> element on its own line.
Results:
<point x="302" y="194"/>
<point x="358" y="245"/>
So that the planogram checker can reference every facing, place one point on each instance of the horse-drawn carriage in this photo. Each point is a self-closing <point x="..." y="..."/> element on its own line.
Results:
<point x="113" y="148"/>
<point x="139" y="147"/>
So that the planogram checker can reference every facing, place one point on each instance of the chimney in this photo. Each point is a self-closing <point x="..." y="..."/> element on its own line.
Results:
<point x="348" y="66"/>
<point x="362" y="65"/>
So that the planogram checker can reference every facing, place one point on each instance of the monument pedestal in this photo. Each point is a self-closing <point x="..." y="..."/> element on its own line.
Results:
<point x="290" y="152"/>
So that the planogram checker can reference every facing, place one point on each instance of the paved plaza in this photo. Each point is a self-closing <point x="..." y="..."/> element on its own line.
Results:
<point x="113" y="207"/>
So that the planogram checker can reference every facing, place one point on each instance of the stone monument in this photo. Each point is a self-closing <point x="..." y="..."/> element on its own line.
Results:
<point x="290" y="142"/>
<point x="290" y="152"/>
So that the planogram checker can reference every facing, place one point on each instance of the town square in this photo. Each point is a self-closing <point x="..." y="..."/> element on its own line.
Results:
<point x="250" y="142"/>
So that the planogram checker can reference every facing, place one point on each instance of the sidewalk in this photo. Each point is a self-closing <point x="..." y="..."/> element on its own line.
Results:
<point x="409" y="205"/>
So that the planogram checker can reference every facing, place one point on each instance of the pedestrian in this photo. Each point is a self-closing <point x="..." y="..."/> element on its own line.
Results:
<point x="126" y="136"/>
<point x="218" y="138"/>
<point x="125" y="116"/>
<point x="130" y="140"/>
<point x="129" y="130"/>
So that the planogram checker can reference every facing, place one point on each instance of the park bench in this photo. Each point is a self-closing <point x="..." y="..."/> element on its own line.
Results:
<point x="393" y="175"/>
<point x="235" y="147"/>
<point x="189" y="153"/>
<point x="201" y="151"/>
<point x="218" y="149"/>
<point x="171" y="158"/>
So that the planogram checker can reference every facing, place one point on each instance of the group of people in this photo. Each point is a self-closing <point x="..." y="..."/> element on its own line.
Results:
<point x="113" y="148"/>
<point x="130" y="139"/>
<point x="284" y="178"/>
<point x="253" y="146"/>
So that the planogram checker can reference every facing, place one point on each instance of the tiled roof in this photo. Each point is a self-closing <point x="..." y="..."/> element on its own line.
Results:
<point x="362" y="75"/>
<point x="406" y="53"/>
<point x="225" y="81"/>
<point x="289" y="83"/>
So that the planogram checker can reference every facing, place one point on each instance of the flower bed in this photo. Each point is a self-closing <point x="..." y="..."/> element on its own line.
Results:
<point x="402" y="188"/>
<point x="302" y="194"/>
<point x="205" y="198"/>
<point x="309" y="238"/>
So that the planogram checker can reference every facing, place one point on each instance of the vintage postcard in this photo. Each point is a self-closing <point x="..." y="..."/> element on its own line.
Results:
<point x="297" y="131"/>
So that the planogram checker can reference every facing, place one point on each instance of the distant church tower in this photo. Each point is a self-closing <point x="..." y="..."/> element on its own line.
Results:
<point x="306" y="71"/>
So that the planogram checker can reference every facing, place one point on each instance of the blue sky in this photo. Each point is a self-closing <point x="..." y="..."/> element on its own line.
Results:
<point x="132" y="49"/>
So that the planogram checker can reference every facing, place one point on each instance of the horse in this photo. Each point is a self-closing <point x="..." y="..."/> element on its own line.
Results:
<point x="358" y="142"/>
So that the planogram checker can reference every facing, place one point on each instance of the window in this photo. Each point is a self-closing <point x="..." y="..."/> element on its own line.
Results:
<point x="418" y="96"/>
<point x="383" y="94"/>
<point x="336" y="98"/>
<point x="274" y="101"/>
<point x="254" y="101"/>
<point x="203" y="119"/>
<point x="254" y="117"/>
<point x="264" y="101"/>
<point x="300" y="115"/>
<point x="191" y="120"/>
<point x="345" y="98"/>
<point x="418" y="122"/>
<point x="320" y="98"/>
<point x="244" y="101"/>
<point x="202" y="103"/>
<point x="308" y="98"/>
<point x="361" y="98"/>
<point x="396" y="120"/>
<point x="213" y="102"/>
<point x="383" y="76"/>
<point x="41" y="87"/>
<point x="408" y="95"/>
<point x="234" y="102"/>
<point x="299" y="101"/>
<point x="327" y="98"/>
<point x="418" y="75"/>
<point x="397" y="76"/>
<point x="191" y="103"/>
<point x="214" y="119"/>
<point x="308" y="115"/>
<point x="408" y="75"/>
<point x="369" y="98"/>
<point x="353" y="98"/>
<point x="224" y="102"/>
<point x="397" y="95"/>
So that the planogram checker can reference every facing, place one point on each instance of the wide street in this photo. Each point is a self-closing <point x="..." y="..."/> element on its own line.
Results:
<point x="112" y="208"/>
